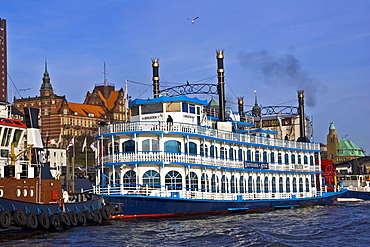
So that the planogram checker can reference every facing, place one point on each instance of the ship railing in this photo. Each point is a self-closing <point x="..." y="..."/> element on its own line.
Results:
<point x="169" y="157"/>
<point x="202" y="130"/>
<point x="186" y="193"/>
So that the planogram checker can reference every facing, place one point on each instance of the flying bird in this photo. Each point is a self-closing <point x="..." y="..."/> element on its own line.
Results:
<point x="193" y="20"/>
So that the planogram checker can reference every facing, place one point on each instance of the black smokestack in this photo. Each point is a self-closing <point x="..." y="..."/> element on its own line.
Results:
<point x="241" y="108"/>
<point x="155" y="65"/>
<point x="302" y="137"/>
<point x="221" y="84"/>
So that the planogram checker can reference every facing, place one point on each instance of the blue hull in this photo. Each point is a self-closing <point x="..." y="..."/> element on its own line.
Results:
<point x="356" y="194"/>
<point x="146" y="206"/>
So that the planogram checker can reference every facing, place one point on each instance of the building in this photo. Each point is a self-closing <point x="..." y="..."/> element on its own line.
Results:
<point x="61" y="120"/>
<point x="3" y="62"/>
<point x="341" y="151"/>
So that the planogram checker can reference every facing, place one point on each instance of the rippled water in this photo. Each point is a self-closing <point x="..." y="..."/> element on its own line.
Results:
<point x="342" y="224"/>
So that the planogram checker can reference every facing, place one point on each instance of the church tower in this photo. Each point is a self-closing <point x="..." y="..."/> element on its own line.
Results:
<point x="46" y="88"/>
<point x="332" y="142"/>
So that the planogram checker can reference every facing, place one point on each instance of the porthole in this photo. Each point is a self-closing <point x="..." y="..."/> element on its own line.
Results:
<point x="31" y="192"/>
<point x="1" y="192"/>
<point x="18" y="192"/>
<point x="25" y="192"/>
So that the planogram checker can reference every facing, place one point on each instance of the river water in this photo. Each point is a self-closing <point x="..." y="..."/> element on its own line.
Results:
<point x="341" y="224"/>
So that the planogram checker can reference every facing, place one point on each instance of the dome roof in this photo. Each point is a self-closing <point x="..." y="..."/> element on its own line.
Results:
<point x="348" y="148"/>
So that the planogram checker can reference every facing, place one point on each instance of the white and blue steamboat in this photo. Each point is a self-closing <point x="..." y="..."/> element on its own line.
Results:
<point x="178" y="157"/>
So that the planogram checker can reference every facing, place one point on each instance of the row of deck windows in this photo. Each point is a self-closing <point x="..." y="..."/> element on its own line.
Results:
<point x="173" y="180"/>
<point x="173" y="146"/>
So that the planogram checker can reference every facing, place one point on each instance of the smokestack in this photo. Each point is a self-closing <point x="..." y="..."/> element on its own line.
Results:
<point x="302" y="137"/>
<point x="241" y="108"/>
<point x="221" y="84"/>
<point x="155" y="65"/>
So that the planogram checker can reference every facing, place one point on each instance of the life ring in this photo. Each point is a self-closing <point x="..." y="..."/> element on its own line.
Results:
<point x="44" y="220"/>
<point x="5" y="219"/>
<point x="32" y="221"/>
<point x="20" y="218"/>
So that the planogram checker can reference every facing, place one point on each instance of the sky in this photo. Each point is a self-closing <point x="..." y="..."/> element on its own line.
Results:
<point x="273" y="47"/>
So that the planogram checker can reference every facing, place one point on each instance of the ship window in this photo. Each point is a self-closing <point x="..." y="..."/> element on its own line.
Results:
<point x="286" y="157"/>
<point x="152" y="108"/>
<point x="6" y="137"/>
<point x="249" y="155"/>
<point x="241" y="184"/>
<point x="300" y="185"/>
<point x="192" y="109"/>
<point x="173" y="107"/>
<point x="273" y="182"/>
<point x="287" y="183"/>
<point x="272" y="157"/>
<point x="116" y="148"/>
<point x="305" y="159"/>
<point x="129" y="179"/>
<point x="224" y="184"/>
<point x="147" y="147"/>
<point x="128" y="146"/>
<point x="266" y="185"/>
<point x="134" y="110"/>
<point x="4" y="153"/>
<point x="185" y="107"/>
<point x="17" y="136"/>
<point x="299" y="159"/>
<point x="258" y="184"/>
<point x="240" y="154"/>
<point x="311" y="160"/>
<point x="257" y="156"/>
<point x="151" y="178"/>
<point x="313" y="180"/>
<point x="193" y="181"/>
<point x="293" y="158"/>
<point x="214" y="183"/>
<point x="192" y="148"/>
<point x="264" y="156"/>
<point x="223" y="153"/>
<point x="250" y="184"/>
<point x="204" y="150"/>
<point x="204" y="182"/>
<point x="172" y="146"/>
<point x="307" y="185"/>
<point x="281" y="184"/>
<point x="279" y="158"/>
<point x="233" y="182"/>
<point x="213" y="151"/>
<point x="173" y="180"/>
<point x="231" y="152"/>
<point x="294" y="185"/>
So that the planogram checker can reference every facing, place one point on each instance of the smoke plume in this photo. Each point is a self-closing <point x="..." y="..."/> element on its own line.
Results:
<point x="282" y="70"/>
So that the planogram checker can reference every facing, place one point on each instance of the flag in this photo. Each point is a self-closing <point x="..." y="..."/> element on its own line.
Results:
<point x="84" y="145"/>
<point x="71" y="143"/>
<point x="93" y="146"/>
<point x="59" y="140"/>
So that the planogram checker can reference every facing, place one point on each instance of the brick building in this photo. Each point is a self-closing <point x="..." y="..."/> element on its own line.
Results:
<point x="60" y="120"/>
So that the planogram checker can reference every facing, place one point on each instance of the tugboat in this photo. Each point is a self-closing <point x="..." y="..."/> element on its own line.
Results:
<point x="29" y="196"/>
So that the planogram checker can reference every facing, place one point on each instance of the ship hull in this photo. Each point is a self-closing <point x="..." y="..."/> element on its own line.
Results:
<point x="352" y="195"/>
<point x="131" y="206"/>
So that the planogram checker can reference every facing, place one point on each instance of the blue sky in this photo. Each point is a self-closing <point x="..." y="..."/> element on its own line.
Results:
<point x="274" y="47"/>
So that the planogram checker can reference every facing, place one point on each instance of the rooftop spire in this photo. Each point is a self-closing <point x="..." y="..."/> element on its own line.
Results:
<point x="46" y="88"/>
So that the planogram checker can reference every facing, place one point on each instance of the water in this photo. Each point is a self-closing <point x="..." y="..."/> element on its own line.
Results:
<point x="341" y="224"/>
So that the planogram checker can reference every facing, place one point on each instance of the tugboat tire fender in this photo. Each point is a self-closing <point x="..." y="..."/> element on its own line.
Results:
<point x="90" y="216"/>
<point x="98" y="217"/>
<point x="105" y="213"/>
<point x="81" y="216"/>
<point x="55" y="222"/>
<point x="5" y="219"/>
<point x="44" y="221"/>
<point x="73" y="218"/>
<point x="32" y="221"/>
<point x="20" y="218"/>
<point x="64" y="219"/>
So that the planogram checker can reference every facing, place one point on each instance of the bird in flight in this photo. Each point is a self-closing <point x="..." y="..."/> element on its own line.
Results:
<point x="193" y="20"/>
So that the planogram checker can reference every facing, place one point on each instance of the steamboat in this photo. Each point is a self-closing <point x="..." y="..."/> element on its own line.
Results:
<point x="176" y="158"/>
<point x="29" y="196"/>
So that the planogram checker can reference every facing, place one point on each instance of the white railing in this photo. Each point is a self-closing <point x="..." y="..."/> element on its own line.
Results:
<point x="191" y="194"/>
<point x="202" y="130"/>
<point x="196" y="159"/>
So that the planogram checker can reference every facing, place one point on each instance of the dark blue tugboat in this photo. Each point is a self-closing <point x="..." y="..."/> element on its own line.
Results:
<point x="29" y="196"/>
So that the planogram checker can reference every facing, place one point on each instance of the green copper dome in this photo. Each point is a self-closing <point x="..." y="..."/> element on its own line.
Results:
<point x="348" y="148"/>
<point x="331" y="126"/>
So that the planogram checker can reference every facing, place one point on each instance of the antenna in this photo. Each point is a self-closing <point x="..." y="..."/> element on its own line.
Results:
<point x="105" y="75"/>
